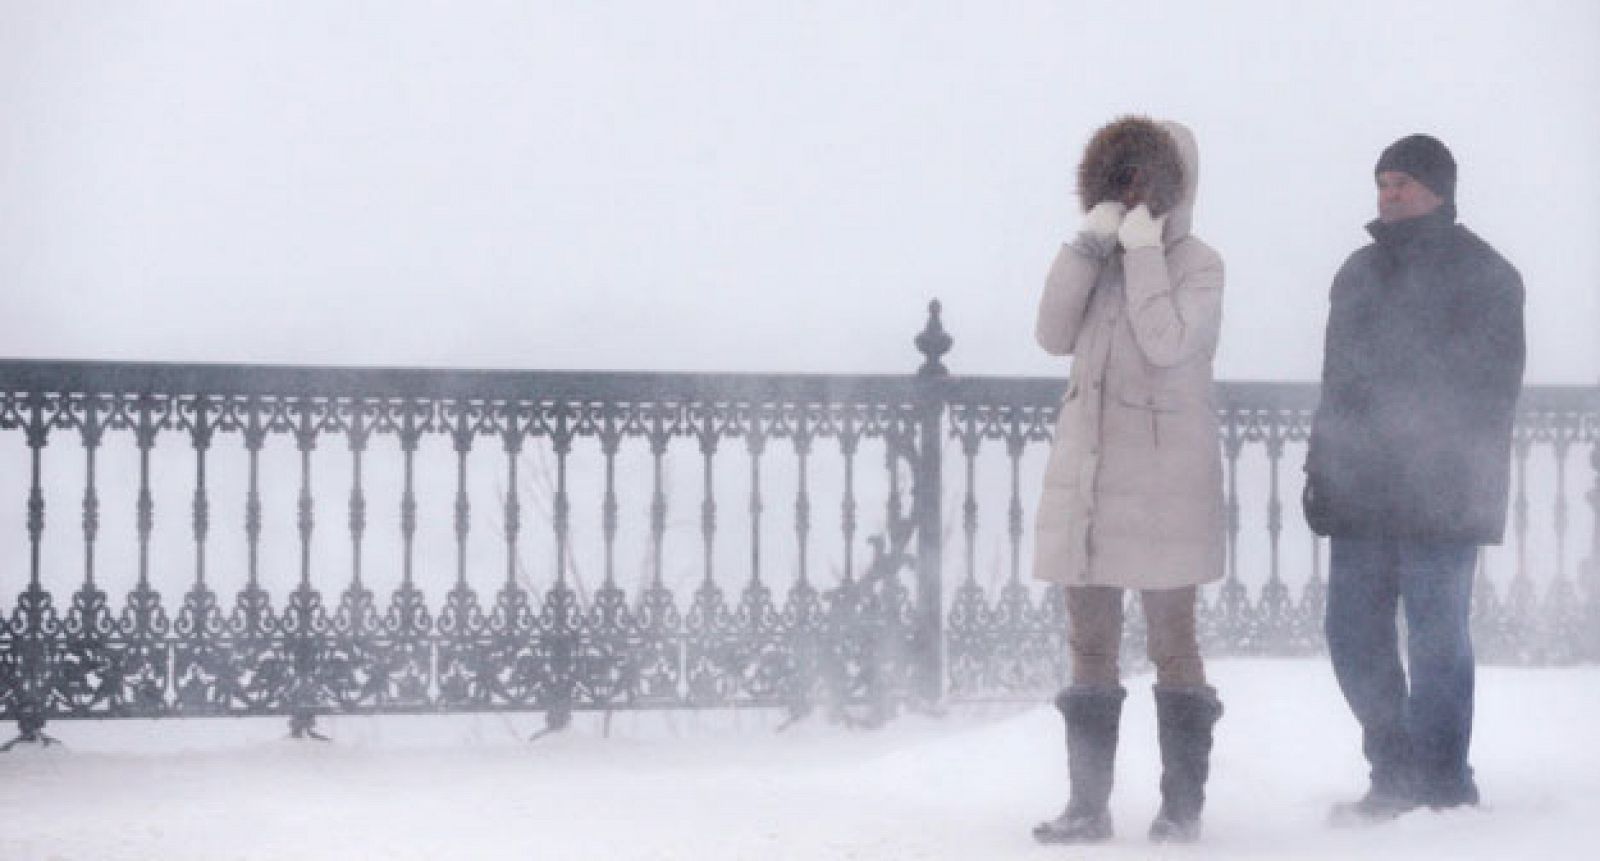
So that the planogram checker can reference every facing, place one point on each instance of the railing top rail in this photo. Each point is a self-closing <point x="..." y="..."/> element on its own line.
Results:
<point x="1239" y="394"/>
<point x="1047" y="390"/>
<point x="171" y="378"/>
<point x="174" y="378"/>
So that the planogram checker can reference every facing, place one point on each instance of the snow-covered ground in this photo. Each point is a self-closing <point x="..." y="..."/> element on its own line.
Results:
<point x="723" y="786"/>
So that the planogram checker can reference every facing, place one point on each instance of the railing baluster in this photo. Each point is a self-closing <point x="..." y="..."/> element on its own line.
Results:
<point x="894" y="505"/>
<point x="1561" y="635"/>
<point x="254" y="438"/>
<point x="305" y="521"/>
<point x="1592" y="564"/>
<point x="610" y="443"/>
<point x="359" y="435"/>
<point x="1275" y="631"/>
<point x="410" y="437"/>
<point x="200" y="434"/>
<point x="93" y="433"/>
<point x="1232" y="601"/>
<point x="1520" y="599"/>
<point x="970" y="439"/>
<point x="38" y="437"/>
<point x="1015" y="443"/>
<point x="755" y="443"/>
<point x="561" y="508"/>
<point x="849" y="439"/>
<point x="708" y="494"/>
<point x="802" y="498"/>
<point x="658" y="497"/>
<point x="1275" y="441"/>
<point x="462" y="439"/>
<point x="512" y="442"/>
<point x="145" y="505"/>
<point x="1519" y="508"/>
<point x="1559" y="512"/>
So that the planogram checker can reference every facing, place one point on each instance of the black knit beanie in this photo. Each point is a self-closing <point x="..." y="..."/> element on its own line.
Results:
<point x="1426" y="160"/>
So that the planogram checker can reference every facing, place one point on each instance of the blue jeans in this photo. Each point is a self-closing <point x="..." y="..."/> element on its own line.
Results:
<point x="1415" y="736"/>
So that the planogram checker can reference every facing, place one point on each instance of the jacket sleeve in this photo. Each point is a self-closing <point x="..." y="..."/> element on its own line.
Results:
<point x="1173" y="322"/>
<point x="1488" y="355"/>
<point x="1339" y="373"/>
<point x="1066" y="294"/>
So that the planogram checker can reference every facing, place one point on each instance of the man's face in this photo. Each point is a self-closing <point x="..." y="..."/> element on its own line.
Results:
<point x="1401" y="197"/>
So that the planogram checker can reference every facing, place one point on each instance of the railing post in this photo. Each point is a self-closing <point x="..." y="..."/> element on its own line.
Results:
<point x="1591" y="567"/>
<point x="933" y="343"/>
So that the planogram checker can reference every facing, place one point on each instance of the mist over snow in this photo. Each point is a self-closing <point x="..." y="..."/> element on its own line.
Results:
<point x="721" y="186"/>
<point x="713" y="786"/>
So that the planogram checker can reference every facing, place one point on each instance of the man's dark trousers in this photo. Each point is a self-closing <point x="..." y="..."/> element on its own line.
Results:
<point x="1416" y="737"/>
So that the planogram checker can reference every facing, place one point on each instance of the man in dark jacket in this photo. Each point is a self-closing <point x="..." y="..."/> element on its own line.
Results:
<point x="1407" y="473"/>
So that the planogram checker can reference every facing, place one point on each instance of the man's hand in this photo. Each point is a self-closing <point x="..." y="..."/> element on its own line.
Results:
<point x="1315" y="507"/>
<point x="1140" y="230"/>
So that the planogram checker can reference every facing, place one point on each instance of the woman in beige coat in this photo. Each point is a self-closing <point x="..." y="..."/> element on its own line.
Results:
<point x="1133" y="489"/>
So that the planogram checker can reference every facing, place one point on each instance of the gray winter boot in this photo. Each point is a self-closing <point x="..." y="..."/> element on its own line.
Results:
<point x="1184" y="718"/>
<point x="1092" y="715"/>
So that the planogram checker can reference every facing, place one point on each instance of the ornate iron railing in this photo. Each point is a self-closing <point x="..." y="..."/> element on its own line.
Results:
<point x="261" y="614"/>
<point x="1006" y="636"/>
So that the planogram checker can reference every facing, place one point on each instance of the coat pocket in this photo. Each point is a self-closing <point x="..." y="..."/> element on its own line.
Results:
<point x="1154" y="402"/>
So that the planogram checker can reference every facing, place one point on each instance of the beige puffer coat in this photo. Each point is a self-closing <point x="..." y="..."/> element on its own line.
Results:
<point x="1133" y="488"/>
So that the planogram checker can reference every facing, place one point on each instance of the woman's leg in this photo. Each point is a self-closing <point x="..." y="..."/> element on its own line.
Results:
<point x="1094" y="634"/>
<point x="1172" y="643"/>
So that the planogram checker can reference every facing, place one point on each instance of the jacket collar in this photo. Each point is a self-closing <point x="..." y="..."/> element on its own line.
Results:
<point x="1400" y="235"/>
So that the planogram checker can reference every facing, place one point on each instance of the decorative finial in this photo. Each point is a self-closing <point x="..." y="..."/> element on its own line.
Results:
<point x="933" y="343"/>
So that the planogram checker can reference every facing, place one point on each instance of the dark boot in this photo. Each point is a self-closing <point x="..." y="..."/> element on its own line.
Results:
<point x="1184" y="718"/>
<point x="1444" y="788"/>
<point x="1393" y="791"/>
<point x="1382" y="803"/>
<point x="1092" y="715"/>
<point x="1445" y="795"/>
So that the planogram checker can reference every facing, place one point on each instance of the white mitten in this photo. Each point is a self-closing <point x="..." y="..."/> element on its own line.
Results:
<point x="1103" y="219"/>
<point x="1140" y="229"/>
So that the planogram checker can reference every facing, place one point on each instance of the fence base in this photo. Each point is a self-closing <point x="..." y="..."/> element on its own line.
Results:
<point x="30" y="730"/>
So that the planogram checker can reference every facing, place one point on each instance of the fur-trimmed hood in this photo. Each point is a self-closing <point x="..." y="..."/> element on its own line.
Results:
<point x="1159" y="160"/>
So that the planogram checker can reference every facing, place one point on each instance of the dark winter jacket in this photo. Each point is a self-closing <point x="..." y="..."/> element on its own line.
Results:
<point x="1422" y="367"/>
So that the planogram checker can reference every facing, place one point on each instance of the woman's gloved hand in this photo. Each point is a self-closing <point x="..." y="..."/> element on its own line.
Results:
<point x="1103" y="219"/>
<point x="1140" y="229"/>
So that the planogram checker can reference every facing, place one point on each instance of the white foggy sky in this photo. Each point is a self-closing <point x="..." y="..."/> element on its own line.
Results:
<point x="733" y="186"/>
